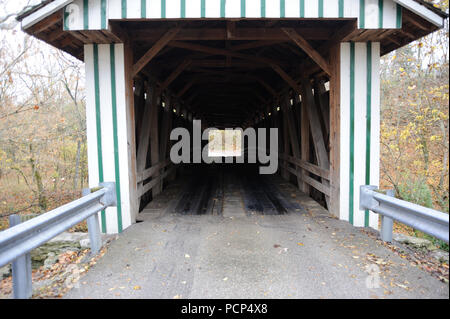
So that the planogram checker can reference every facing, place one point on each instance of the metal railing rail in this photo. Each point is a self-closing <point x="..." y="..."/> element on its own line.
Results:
<point x="17" y="241"/>
<point x="427" y="220"/>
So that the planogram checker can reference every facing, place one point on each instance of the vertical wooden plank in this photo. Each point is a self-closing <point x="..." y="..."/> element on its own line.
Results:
<point x="129" y="98"/>
<point x="293" y="138"/>
<point x="139" y="102"/>
<point x="175" y="122"/>
<point x="319" y="92"/>
<point x="335" y="58"/>
<point x="166" y="127"/>
<point x="304" y="143"/>
<point x="154" y="135"/>
<point x="286" y="148"/>
<point x="144" y="137"/>
<point x="316" y="131"/>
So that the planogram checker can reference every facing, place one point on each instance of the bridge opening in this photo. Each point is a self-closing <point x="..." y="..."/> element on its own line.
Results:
<point x="234" y="74"/>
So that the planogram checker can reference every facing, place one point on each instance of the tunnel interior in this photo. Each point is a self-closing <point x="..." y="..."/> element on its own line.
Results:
<point x="232" y="74"/>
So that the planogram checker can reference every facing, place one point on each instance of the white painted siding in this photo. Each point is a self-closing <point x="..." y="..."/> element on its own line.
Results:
<point x="113" y="160"/>
<point x="212" y="9"/>
<point x="361" y="80"/>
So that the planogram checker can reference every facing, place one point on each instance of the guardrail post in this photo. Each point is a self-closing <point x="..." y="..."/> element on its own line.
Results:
<point x="21" y="270"/>
<point x="387" y="223"/>
<point x="95" y="239"/>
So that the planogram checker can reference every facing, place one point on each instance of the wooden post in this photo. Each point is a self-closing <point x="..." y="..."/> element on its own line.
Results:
<point x="139" y="104"/>
<point x="319" y="94"/>
<point x="335" y="128"/>
<point x="304" y="143"/>
<point x="129" y="96"/>
<point x="154" y="136"/>
<point x="293" y="138"/>
<point x="176" y="121"/>
<point x="316" y="130"/>
<point x="144" y="138"/>
<point x="286" y="149"/>
<point x="166" y="127"/>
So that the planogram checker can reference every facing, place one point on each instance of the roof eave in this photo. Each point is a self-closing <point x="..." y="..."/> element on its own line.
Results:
<point x="422" y="10"/>
<point x="40" y="12"/>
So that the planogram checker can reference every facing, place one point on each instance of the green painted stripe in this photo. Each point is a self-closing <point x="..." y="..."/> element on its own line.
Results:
<point x="143" y="9"/>
<point x="163" y="9"/>
<point x="242" y="8"/>
<point x="116" y="139"/>
<point x="202" y="8"/>
<point x="263" y="8"/>
<point x="368" y="120"/>
<point x="320" y="8"/>
<point x="352" y="130"/>
<point x="341" y="8"/>
<point x="103" y="14"/>
<point x="302" y="8"/>
<point x="282" y="8"/>
<point x="183" y="9"/>
<point x="124" y="9"/>
<point x="65" y="20"/>
<point x="98" y="118"/>
<point x="222" y="8"/>
<point x="85" y="14"/>
<point x="362" y="14"/>
<point x="399" y="16"/>
<point x="380" y="13"/>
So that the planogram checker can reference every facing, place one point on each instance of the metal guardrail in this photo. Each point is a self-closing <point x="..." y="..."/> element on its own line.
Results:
<point x="17" y="241"/>
<point x="427" y="220"/>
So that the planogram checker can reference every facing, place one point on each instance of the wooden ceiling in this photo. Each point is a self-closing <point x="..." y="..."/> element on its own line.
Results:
<point x="228" y="70"/>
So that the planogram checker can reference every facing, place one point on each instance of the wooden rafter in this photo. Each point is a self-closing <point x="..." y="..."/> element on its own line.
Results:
<point x="307" y="48"/>
<point x="175" y="73"/>
<point x="287" y="78"/>
<point x="153" y="51"/>
<point x="186" y="87"/>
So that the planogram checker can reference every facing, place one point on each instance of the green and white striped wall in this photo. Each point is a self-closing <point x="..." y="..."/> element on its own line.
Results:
<point x="360" y="128"/>
<point x="94" y="14"/>
<point x="107" y="135"/>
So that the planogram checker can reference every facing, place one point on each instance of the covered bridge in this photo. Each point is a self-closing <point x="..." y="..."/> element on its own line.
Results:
<point x="310" y="68"/>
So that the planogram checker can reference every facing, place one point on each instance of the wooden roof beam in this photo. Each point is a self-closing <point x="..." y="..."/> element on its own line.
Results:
<point x="186" y="87"/>
<point x="255" y="44"/>
<point x="286" y="77"/>
<point x="153" y="51"/>
<point x="175" y="73"/>
<point x="308" y="49"/>
<point x="239" y="34"/>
